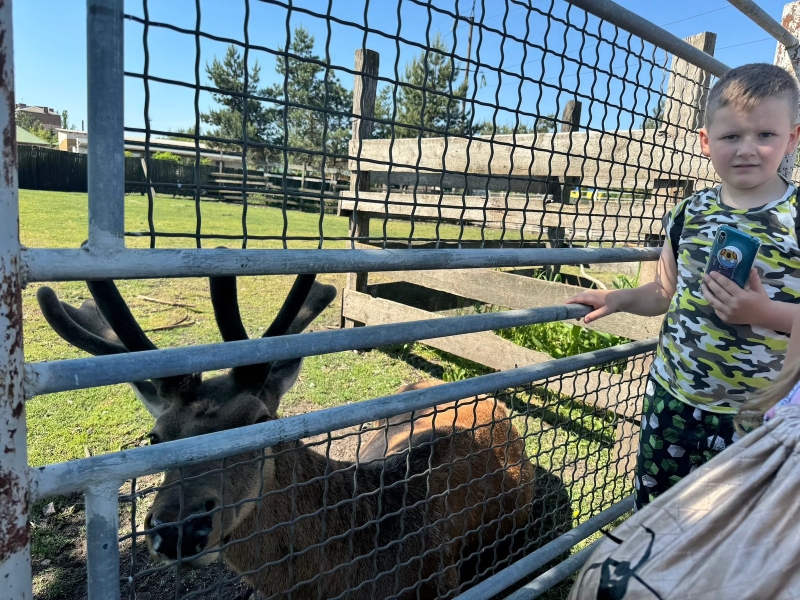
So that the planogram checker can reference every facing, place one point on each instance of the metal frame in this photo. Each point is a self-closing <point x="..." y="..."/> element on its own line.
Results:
<point x="105" y="257"/>
<point x="15" y="558"/>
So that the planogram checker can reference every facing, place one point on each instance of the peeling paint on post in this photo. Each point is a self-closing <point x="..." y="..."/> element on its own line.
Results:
<point x="789" y="59"/>
<point x="15" y="559"/>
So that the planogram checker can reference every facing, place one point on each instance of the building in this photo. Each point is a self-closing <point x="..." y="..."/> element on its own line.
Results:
<point x="73" y="141"/>
<point x="47" y="116"/>
<point x="26" y="138"/>
<point x="184" y="149"/>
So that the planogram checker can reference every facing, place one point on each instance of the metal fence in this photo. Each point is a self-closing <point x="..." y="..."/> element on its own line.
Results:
<point x="472" y="487"/>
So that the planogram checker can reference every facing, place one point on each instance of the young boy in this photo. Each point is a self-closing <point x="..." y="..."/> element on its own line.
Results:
<point x="719" y="342"/>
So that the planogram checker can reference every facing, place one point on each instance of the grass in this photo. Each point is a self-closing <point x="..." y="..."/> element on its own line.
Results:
<point x="71" y="425"/>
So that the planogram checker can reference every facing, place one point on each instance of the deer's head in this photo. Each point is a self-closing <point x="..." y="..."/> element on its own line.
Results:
<point x="186" y="517"/>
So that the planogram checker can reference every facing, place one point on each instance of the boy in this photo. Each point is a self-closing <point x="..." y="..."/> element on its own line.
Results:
<point x="718" y="343"/>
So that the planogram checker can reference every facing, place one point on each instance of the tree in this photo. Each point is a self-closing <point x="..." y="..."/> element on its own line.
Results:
<point x="655" y="118"/>
<point x="227" y="121"/>
<point x="546" y="124"/>
<point x="65" y="120"/>
<point x="315" y="95"/>
<point x="30" y="123"/>
<point x="489" y="128"/>
<point x="426" y="113"/>
<point x="324" y="104"/>
<point x="167" y="156"/>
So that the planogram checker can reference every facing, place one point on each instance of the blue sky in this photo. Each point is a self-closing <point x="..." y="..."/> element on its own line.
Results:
<point x="50" y="49"/>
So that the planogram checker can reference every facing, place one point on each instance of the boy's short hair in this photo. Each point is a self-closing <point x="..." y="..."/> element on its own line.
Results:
<point x="744" y="87"/>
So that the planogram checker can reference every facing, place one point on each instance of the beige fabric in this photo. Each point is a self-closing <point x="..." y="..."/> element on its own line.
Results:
<point x="730" y="530"/>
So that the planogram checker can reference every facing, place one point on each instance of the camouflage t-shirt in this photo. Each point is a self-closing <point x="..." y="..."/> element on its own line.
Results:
<point x="700" y="359"/>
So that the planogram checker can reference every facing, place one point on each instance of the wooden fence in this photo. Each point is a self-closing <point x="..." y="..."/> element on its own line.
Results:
<point x="52" y="170"/>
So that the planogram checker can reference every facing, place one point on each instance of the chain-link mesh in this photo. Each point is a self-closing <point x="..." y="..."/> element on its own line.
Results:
<point x="425" y="504"/>
<point x="508" y="124"/>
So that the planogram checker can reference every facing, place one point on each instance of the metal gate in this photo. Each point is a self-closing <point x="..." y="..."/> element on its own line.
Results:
<point x="474" y="182"/>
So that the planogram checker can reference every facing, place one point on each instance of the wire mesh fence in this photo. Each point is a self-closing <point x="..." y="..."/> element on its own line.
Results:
<point x="510" y="124"/>
<point x="424" y="504"/>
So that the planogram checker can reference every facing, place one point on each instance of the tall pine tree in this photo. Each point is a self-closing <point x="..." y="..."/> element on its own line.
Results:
<point x="321" y="96"/>
<point x="426" y="113"/>
<point x="227" y="121"/>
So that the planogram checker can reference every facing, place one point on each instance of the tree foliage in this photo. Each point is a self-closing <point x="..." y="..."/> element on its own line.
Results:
<point x="30" y="123"/>
<point x="656" y="116"/>
<point x="228" y="121"/>
<point x="428" y="101"/>
<point x="323" y="119"/>
<point x="323" y="112"/>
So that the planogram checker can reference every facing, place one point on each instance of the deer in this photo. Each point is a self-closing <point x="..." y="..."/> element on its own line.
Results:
<point x="431" y="498"/>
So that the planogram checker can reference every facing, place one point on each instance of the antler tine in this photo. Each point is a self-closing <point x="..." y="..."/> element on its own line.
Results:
<point x="115" y="310"/>
<point x="291" y="306"/>
<point x="257" y="374"/>
<point x="225" y="300"/>
<point x="57" y="314"/>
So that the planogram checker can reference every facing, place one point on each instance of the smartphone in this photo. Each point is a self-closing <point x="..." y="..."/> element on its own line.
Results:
<point x="733" y="254"/>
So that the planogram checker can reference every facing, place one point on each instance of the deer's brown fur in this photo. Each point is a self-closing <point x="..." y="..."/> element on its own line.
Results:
<point x="433" y="499"/>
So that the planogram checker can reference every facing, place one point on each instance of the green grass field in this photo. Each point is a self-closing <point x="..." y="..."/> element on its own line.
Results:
<point x="71" y="425"/>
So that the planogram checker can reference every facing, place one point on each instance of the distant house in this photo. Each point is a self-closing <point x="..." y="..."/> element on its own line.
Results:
<point x="73" y="141"/>
<point x="47" y="116"/>
<point x="26" y="138"/>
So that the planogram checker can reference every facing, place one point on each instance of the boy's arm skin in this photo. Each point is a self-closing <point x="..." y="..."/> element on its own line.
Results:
<point x="732" y="304"/>
<point x="647" y="300"/>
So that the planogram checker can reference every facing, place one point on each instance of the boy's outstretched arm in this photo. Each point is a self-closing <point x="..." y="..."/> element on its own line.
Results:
<point x="647" y="300"/>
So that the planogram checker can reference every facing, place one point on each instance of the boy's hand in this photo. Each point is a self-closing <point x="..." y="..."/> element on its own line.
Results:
<point x="597" y="299"/>
<point x="732" y="304"/>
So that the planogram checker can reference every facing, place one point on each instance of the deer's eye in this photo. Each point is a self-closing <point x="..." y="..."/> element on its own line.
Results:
<point x="153" y="437"/>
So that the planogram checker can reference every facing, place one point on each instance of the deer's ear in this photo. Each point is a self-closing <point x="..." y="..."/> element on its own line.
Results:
<point x="282" y="376"/>
<point x="146" y="392"/>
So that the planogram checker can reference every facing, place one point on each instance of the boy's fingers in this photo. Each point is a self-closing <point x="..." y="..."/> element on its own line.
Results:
<point x="597" y="314"/>
<point x="755" y="282"/>
<point x="718" y="288"/>
<point x="708" y="294"/>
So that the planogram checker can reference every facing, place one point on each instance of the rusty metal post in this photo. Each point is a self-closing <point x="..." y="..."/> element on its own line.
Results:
<point x="789" y="59"/>
<point x="15" y="557"/>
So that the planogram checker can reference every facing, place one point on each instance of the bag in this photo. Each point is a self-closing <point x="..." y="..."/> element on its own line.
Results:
<point x="730" y="530"/>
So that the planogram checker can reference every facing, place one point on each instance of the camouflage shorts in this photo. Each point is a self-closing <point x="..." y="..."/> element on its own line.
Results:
<point x="675" y="439"/>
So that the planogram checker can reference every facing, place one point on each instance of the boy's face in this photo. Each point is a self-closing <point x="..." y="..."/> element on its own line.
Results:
<point x="746" y="148"/>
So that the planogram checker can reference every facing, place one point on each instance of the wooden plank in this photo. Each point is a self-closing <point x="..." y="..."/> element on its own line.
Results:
<point x="595" y="388"/>
<point x="629" y="159"/>
<point x="515" y="291"/>
<point x="610" y="218"/>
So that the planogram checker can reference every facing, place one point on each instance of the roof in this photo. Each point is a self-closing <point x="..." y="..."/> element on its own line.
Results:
<point x="26" y="137"/>
<point x="44" y="110"/>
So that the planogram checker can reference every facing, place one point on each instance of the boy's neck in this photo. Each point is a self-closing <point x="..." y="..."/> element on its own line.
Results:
<point x="753" y="197"/>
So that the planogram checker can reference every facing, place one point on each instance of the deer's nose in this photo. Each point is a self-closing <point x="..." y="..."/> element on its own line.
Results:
<point x="166" y="534"/>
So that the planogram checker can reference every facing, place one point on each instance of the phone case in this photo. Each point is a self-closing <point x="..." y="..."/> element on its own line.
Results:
<point x="733" y="254"/>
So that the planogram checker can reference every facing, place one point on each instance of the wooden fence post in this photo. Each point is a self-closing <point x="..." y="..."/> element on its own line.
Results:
<point x="687" y="90"/>
<point x="365" y="88"/>
<point x="789" y="60"/>
<point x="560" y="189"/>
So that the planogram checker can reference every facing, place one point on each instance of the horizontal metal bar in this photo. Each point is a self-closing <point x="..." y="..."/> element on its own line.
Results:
<point x="556" y="575"/>
<point x="81" y="373"/>
<point x="75" y="475"/>
<point x="648" y="31"/>
<point x="764" y="20"/>
<point x="527" y="565"/>
<point x="82" y="264"/>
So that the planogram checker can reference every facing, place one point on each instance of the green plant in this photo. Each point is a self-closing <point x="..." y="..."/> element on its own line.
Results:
<point x="167" y="156"/>
<point x="623" y="282"/>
